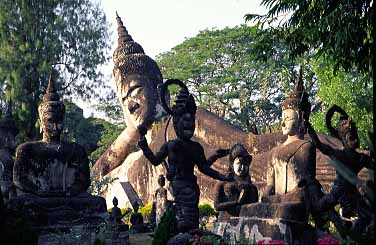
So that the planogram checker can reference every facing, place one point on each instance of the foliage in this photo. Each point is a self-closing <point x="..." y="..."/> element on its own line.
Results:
<point x="166" y="228"/>
<point x="35" y="36"/>
<point x="349" y="90"/>
<point x="206" y="209"/>
<point x="205" y="239"/>
<point x="145" y="211"/>
<point x="224" y="71"/>
<point x="108" y="134"/>
<point x="99" y="185"/>
<point x="342" y="30"/>
<point x="94" y="134"/>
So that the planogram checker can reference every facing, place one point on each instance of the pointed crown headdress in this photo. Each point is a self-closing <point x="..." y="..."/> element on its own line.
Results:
<point x="130" y="57"/>
<point x="298" y="98"/>
<point x="51" y="100"/>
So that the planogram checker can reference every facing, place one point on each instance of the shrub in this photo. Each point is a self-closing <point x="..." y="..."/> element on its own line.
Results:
<point x="206" y="209"/>
<point x="166" y="228"/>
<point x="145" y="211"/>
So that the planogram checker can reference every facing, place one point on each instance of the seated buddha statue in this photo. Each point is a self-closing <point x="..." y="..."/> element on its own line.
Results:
<point x="52" y="176"/>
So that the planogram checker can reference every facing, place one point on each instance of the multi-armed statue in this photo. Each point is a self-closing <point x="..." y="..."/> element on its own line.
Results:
<point x="183" y="155"/>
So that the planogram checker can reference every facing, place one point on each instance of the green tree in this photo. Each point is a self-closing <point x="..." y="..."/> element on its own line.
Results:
<point x="342" y="29"/>
<point x="226" y="73"/>
<point x="350" y="91"/>
<point x="70" y="36"/>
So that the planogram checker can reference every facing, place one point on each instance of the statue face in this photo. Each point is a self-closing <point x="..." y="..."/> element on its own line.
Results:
<point x="241" y="166"/>
<point x="350" y="140"/>
<point x="290" y="122"/>
<point x="138" y="96"/>
<point x="115" y="202"/>
<point x="52" y="124"/>
<point x="185" y="126"/>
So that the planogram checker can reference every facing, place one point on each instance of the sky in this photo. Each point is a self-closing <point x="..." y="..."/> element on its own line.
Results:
<point x="159" y="25"/>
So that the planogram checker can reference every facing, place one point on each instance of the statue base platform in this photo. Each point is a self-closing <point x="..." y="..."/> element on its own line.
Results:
<point x="268" y="221"/>
<point x="62" y="213"/>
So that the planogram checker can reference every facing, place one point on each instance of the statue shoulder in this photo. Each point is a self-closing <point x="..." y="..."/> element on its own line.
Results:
<point x="29" y="147"/>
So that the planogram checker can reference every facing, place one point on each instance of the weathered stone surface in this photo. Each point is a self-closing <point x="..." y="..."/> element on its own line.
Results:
<point x="144" y="177"/>
<point x="268" y="221"/>
<point x="52" y="177"/>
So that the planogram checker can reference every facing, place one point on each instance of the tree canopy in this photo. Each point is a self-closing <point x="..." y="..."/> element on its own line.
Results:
<point x="70" y="36"/>
<point x="225" y="73"/>
<point x="342" y="29"/>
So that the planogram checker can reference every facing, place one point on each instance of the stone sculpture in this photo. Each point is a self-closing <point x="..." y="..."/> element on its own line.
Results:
<point x="8" y="132"/>
<point x="291" y="183"/>
<point x="183" y="154"/>
<point x="52" y="176"/>
<point x="137" y="220"/>
<point x="160" y="198"/>
<point x="229" y="197"/>
<point x="126" y="162"/>
<point x="344" y="192"/>
<point x="116" y="215"/>
<point x="295" y="159"/>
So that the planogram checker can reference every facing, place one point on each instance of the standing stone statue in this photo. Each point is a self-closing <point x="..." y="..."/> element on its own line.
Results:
<point x="353" y="158"/>
<point x="183" y="154"/>
<point x="229" y="197"/>
<point x="160" y="197"/>
<point x="8" y="132"/>
<point x="52" y="176"/>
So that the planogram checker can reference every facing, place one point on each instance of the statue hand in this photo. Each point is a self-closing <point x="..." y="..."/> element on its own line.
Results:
<point x="142" y="130"/>
<point x="222" y="152"/>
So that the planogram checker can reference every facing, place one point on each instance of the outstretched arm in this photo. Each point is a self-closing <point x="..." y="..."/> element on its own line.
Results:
<point x="143" y="144"/>
<point x="158" y="157"/>
<point x="324" y="148"/>
<point x="205" y="168"/>
<point x="218" y="154"/>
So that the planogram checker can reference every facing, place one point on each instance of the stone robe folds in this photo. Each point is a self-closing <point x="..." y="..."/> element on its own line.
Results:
<point x="289" y="164"/>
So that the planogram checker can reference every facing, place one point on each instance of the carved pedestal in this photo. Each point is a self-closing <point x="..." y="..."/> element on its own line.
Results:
<point x="268" y="221"/>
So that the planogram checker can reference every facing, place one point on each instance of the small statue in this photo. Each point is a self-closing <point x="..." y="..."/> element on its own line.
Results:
<point x="230" y="197"/>
<point x="183" y="154"/>
<point x="160" y="197"/>
<point x="116" y="215"/>
<point x="52" y="176"/>
<point x="8" y="132"/>
<point x="137" y="220"/>
<point x="343" y="192"/>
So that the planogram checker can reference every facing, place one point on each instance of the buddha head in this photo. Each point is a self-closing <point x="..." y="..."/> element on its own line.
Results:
<point x="161" y="180"/>
<point x="51" y="113"/>
<point x="115" y="202"/>
<point x="8" y="129"/>
<point x="295" y="109"/>
<point x="240" y="160"/>
<point x="136" y="78"/>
